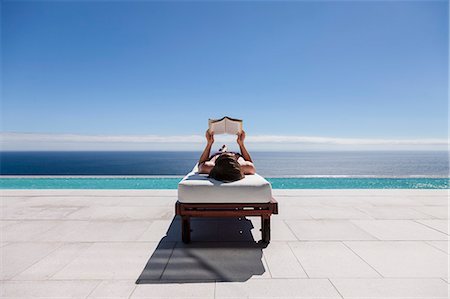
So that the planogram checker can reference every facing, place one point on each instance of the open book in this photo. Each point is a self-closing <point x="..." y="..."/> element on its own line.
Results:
<point x="225" y="125"/>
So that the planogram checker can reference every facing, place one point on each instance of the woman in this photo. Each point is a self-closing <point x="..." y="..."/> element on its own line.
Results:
<point x="226" y="166"/>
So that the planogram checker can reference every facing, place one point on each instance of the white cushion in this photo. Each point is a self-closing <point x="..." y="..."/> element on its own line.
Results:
<point x="198" y="188"/>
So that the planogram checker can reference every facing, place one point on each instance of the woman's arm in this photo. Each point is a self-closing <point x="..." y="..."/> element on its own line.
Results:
<point x="203" y="163"/>
<point x="244" y="152"/>
<point x="247" y="165"/>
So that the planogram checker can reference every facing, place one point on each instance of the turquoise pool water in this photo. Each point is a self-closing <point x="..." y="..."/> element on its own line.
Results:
<point x="172" y="182"/>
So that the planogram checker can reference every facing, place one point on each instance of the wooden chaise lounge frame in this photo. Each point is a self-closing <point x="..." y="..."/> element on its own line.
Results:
<point x="232" y="210"/>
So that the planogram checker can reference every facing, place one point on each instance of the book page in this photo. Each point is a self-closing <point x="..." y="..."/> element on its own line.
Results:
<point x="233" y="127"/>
<point x="217" y="127"/>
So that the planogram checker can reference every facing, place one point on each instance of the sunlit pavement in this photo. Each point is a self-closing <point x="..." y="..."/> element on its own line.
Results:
<point x="126" y="244"/>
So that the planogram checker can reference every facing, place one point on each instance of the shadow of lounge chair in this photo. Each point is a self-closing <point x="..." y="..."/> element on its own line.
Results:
<point x="221" y="250"/>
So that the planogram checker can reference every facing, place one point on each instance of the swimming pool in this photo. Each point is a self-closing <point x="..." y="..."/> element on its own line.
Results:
<point x="172" y="183"/>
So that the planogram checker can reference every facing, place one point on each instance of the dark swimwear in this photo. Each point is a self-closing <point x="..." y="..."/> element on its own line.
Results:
<point x="219" y="153"/>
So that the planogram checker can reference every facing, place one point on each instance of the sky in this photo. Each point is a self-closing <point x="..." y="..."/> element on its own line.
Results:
<point x="148" y="74"/>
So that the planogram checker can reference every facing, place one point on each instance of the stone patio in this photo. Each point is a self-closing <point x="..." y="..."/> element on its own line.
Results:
<point x="126" y="244"/>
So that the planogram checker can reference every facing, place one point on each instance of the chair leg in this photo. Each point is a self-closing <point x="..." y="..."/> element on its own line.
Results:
<point x="265" y="228"/>
<point x="186" y="229"/>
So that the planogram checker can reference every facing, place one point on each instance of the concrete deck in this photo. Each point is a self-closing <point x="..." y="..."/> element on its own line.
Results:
<point x="126" y="244"/>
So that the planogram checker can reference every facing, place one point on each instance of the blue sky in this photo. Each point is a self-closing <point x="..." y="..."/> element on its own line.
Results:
<point x="352" y="70"/>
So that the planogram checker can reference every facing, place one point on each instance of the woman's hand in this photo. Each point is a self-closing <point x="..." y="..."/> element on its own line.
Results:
<point x="240" y="138"/>
<point x="209" y="137"/>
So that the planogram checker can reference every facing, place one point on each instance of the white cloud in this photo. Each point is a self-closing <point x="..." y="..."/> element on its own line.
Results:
<point x="98" y="138"/>
<point x="40" y="141"/>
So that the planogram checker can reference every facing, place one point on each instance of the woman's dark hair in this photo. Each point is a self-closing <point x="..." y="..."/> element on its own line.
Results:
<point x="226" y="169"/>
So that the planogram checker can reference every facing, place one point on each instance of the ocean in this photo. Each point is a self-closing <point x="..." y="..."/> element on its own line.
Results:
<point x="284" y="170"/>
<point x="395" y="164"/>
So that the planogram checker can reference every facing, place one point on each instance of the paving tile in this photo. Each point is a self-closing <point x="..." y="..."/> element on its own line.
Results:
<point x="105" y="231"/>
<point x="13" y="212"/>
<point x="55" y="212"/>
<point x="431" y="200"/>
<point x="49" y="213"/>
<point x="394" y="213"/>
<point x="442" y="245"/>
<point x="153" y="201"/>
<point x="204" y="229"/>
<point x="361" y="192"/>
<point x="157" y="230"/>
<point x="25" y="231"/>
<point x="113" y="289"/>
<point x="336" y="200"/>
<point x="438" y="224"/>
<point x="292" y="213"/>
<point x="74" y="201"/>
<point x="53" y="262"/>
<point x="17" y="257"/>
<point x="62" y="231"/>
<point x="214" y="261"/>
<point x="331" y="259"/>
<point x="266" y="274"/>
<point x="61" y="201"/>
<point x="90" y="192"/>
<point x="425" y="192"/>
<point x="343" y="201"/>
<point x="37" y="212"/>
<point x="392" y="288"/>
<point x="334" y="230"/>
<point x="126" y="200"/>
<point x="13" y="201"/>
<point x="47" y="289"/>
<point x="116" y="201"/>
<point x="392" y="201"/>
<point x="161" y="291"/>
<point x="123" y="213"/>
<point x="399" y="230"/>
<point x="277" y="288"/>
<point x="297" y="201"/>
<point x="405" y="259"/>
<point x="440" y="212"/>
<point x="282" y="262"/>
<point x="5" y="223"/>
<point x="157" y="263"/>
<point x="117" y="260"/>
<point x="240" y="229"/>
<point x="335" y="213"/>
<point x="279" y="230"/>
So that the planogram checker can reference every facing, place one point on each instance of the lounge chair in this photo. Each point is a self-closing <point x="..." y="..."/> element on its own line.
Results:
<point x="200" y="196"/>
